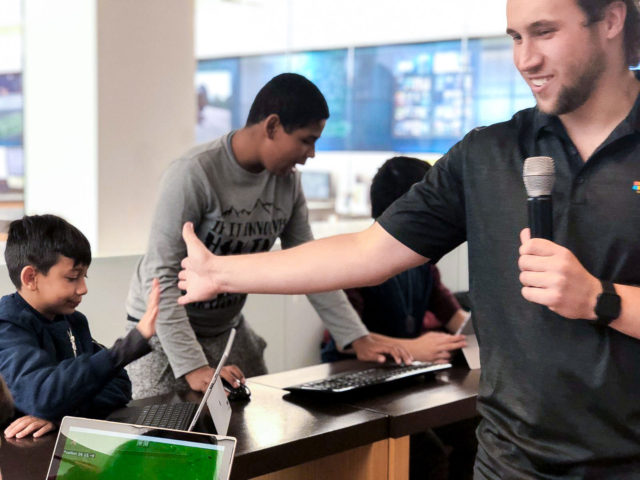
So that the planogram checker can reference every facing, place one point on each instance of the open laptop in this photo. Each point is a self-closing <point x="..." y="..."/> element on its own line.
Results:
<point x="88" y="449"/>
<point x="184" y="415"/>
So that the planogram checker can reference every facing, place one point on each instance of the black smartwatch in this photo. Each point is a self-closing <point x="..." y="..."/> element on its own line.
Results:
<point x="607" y="305"/>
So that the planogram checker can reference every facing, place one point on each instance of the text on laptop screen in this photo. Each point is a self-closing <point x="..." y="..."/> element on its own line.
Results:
<point x="89" y="453"/>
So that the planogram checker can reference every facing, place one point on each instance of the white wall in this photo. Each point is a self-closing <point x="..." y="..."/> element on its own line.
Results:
<point x="109" y="102"/>
<point x="61" y="125"/>
<point x="259" y="26"/>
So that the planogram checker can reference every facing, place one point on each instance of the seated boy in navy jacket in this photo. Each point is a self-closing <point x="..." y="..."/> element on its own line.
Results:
<point x="51" y="364"/>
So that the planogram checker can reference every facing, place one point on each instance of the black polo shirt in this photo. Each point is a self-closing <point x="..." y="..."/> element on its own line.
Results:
<point x="559" y="397"/>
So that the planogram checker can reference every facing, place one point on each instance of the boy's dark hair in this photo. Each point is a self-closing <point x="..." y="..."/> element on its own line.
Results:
<point x="296" y="100"/>
<point x="393" y="179"/>
<point x="594" y="10"/>
<point x="39" y="240"/>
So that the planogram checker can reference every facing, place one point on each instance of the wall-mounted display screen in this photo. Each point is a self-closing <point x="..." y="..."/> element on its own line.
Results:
<point x="226" y="88"/>
<point x="11" y="109"/>
<point x="404" y="98"/>
<point x="409" y="97"/>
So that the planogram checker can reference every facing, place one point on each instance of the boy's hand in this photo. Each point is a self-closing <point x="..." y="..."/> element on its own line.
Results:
<point x="28" y="425"/>
<point x="233" y="375"/>
<point x="147" y="324"/>
<point x="371" y="349"/>
<point x="200" y="378"/>
<point x="436" y="347"/>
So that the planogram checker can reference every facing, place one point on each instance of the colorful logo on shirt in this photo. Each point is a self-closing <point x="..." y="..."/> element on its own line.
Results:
<point x="636" y="187"/>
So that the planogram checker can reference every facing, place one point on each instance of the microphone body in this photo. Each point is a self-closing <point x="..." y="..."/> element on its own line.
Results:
<point x="540" y="217"/>
<point x="539" y="176"/>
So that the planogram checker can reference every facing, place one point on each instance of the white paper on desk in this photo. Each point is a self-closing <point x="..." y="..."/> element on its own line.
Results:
<point x="471" y="351"/>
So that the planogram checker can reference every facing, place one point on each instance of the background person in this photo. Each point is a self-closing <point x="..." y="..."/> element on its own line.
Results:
<point x="242" y="193"/>
<point x="411" y="305"/>
<point x="414" y="305"/>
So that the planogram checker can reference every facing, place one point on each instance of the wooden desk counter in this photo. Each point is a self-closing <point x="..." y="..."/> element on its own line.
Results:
<point x="274" y="433"/>
<point x="427" y="402"/>
<point x="286" y="437"/>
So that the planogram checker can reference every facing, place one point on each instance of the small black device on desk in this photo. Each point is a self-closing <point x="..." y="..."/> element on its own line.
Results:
<point x="239" y="393"/>
<point x="347" y="382"/>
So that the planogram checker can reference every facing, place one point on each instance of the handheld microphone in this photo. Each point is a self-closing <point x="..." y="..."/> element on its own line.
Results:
<point x="539" y="175"/>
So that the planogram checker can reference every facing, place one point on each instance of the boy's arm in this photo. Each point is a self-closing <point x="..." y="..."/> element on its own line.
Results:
<point x="41" y="386"/>
<point x="444" y="305"/>
<point x="183" y="197"/>
<point x="117" y="392"/>
<point x="334" y="309"/>
<point x="113" y="395"/>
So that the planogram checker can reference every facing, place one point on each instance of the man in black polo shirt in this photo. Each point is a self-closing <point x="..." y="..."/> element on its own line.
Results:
<point x="560" y="348"/>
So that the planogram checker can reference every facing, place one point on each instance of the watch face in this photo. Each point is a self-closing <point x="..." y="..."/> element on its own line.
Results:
<point x="607" y="307"/>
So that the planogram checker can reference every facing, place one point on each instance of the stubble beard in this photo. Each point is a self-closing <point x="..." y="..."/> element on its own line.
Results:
<point x="573" y="96"/>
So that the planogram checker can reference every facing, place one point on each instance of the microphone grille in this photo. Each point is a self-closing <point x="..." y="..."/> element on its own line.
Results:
<point x="538" y="175"/>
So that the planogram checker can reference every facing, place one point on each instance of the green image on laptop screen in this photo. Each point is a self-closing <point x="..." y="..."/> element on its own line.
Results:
<point x="119" y="456"/>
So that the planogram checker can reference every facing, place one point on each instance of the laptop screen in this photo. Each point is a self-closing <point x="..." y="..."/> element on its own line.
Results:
<point x="88" y="449"/>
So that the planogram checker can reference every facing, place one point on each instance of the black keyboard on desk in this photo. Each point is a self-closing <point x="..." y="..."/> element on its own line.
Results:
<point x="357" y="380"/>
<point x="176" y="416"/>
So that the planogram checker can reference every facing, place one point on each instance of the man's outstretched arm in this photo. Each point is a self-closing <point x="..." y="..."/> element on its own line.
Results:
<point x="343" y="261"/>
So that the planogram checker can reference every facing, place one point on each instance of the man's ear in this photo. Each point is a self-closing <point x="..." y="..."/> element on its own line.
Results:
<point x="271" y="125"/>
<point x="615" y="15"/>
<point x="28" y="278"/>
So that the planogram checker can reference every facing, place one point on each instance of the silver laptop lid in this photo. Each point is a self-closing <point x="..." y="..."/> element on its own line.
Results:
<point x="214" y="379"/>
<point x="87" y="448"/>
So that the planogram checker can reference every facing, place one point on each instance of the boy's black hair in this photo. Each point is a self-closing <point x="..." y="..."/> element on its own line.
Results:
<point x="393" y="179"/>
<point x="39" y="240"/>
<point x="296" y="100"/>
<point x="594" y="10"/>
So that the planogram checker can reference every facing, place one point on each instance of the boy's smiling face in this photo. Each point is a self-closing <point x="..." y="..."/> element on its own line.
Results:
<point x="60" y="291"/>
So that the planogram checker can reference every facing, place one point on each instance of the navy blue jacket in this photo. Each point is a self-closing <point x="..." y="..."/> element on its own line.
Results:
<point x="45" y="378"/>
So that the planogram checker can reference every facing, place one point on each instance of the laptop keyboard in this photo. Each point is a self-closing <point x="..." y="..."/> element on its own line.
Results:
<point x="351" y="381"/>
<point x="176" y="416"/>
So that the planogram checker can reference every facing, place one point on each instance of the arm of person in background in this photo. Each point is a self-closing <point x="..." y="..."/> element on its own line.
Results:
<point x="332" y="307"/>
<point x="184" y="196"/>
<point x="552" y="276"/>
<point x="444" y="305"/>
<point x="433" y="347"/>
